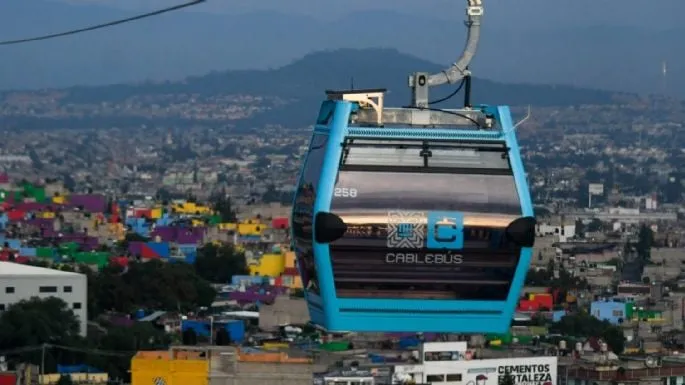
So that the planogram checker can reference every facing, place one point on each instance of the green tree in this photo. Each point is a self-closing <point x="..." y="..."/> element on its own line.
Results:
<point x="583" y="325"/>
<point x="223" y="206"/>
<point x="218" y="264"/>
<point x="152" y="285"/>
<point x="36" y="321"/>
<point x="65" y="379"/>
<point x="645" y="241"/>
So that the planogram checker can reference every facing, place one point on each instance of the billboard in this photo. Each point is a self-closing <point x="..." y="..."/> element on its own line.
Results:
<point x="596" y="189"/>
<point x="524" y="370"/>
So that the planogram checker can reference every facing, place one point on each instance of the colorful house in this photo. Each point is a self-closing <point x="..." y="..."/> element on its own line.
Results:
<point x="536" y="302"/>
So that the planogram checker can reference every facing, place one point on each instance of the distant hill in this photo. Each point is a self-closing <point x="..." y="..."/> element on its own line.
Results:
<point x="531" y="41"/>
<point x="303" y="83"/>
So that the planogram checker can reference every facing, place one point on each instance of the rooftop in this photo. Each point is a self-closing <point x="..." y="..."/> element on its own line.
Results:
<point x="8" y="269"/>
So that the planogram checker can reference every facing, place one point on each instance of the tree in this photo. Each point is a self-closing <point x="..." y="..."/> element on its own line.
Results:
<point x="153" y="285"/>
<point x="223" y="206"/>
<point x="584" y="325"/>
<point x="218" y="264"/>
<point x="222" y="337"/>
<point x="38" y="321"/>
<point x="645" y="241"/>
<point x="507" y="379"/>
<point x="65" y="379"/>
<point x="189" y="337"/>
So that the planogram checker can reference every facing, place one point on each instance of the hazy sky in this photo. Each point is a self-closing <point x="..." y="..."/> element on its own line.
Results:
<point x="506" y="13"/>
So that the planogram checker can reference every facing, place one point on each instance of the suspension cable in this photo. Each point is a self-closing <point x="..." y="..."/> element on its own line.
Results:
<point x="104" y="25"/>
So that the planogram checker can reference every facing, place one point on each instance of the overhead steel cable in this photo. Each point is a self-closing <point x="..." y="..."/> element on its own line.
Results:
<point x="104" y="25"/>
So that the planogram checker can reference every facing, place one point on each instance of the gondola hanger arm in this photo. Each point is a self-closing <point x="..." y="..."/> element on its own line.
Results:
<point x="421" y="81"/>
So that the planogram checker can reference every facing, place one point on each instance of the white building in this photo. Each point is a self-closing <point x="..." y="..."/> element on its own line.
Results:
<point x="19" y="282"/>
<point x="451" y="363"/>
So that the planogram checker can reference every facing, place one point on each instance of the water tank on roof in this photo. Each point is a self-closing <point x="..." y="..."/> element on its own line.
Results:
<point x="603" y="347"/>
<point x="562" y="345"/>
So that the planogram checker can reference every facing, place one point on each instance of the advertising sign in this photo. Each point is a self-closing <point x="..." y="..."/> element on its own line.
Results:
<point x="525" y="371"/>
<point x="596" y="189"/>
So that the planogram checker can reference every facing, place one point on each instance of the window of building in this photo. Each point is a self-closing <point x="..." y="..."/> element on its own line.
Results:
<point x="617" y="313"/>
<point x="673" y="380"/>
<point x="9" y="290"/>
<point x="444" y="356"/>
<point x="435" y="378"/>
<point x="67" y="289"/>
<point x="77" y="305"/>
<point x="453" y="377"/>
<point x="2" y="307"/>
<point x="47" y="289"/>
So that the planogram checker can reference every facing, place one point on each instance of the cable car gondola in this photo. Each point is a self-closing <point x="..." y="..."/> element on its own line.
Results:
<point x="413" y="219"/>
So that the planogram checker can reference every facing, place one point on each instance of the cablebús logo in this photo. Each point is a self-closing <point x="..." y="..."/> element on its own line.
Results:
<point x="424" y="258"/>
<point x="406" y="229"/>
<point x="443" y="230"/>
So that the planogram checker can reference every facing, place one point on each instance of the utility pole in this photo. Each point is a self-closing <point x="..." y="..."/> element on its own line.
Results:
<point x="42" y="359"/>
<point x="211" y="330"/>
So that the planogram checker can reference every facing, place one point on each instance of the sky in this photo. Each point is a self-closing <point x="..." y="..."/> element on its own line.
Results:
<point x="610" y="44"/>
<point x="506" y="13"/>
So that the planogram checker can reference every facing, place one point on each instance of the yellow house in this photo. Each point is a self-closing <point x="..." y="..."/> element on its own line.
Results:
<point x="277" y="265"/>
<point x="291" y="276"/>
<point x="156" y="213"/>
<point x="58" y="200"/>
<point x="227" y="226"/>
<point x="269" y="265"/>
<point x="180" y="368"/>
<point x="191" y="208"/>
<point x="253" y="227"/>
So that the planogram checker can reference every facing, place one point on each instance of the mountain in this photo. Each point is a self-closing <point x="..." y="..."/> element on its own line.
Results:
<point x="514" y="48"/>
<point x="300" y="88"/>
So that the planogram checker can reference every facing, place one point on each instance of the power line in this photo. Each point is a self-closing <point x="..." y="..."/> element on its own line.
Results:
<point x="92" y="351"/>
<point x="104" y="25"/>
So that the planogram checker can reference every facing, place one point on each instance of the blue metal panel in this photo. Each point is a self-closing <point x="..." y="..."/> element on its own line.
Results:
<point x="329" y="171"/>
<point x="201" y="328"/>
<point x="160" y="248"/>
<point x="236" y="330"/>
<point x="314" y="302"/>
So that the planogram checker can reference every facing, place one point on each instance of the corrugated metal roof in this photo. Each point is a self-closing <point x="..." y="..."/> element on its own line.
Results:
<point x="152" y="316"/>
<point x="8" y="269"/>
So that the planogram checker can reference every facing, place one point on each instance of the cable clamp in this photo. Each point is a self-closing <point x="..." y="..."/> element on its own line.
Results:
<point x="475" y="10"/>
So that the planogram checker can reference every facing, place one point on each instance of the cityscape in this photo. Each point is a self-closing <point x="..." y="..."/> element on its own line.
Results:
<point x="165" y="233"/>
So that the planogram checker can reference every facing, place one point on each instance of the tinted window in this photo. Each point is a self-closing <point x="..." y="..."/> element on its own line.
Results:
<point x="426" y="154"/>
<point x="388" y="251"/>
<point x="302" y="213"/>
<point x="427" y="191"/>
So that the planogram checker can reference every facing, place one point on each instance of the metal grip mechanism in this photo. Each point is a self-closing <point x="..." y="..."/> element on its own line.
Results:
<point x="421" y="81"/>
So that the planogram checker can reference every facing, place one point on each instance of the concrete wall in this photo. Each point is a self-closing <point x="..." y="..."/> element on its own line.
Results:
<point x="543" y="251"/>
<point x="284" y="311"/>
<point x="253" y="373"/>
<point x="72" y="288"/>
